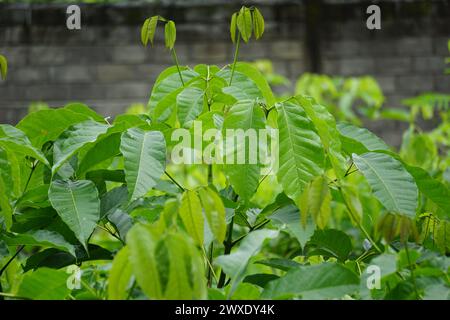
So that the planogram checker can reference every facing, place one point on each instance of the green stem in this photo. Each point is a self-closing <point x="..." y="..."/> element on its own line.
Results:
<point x="29" y="177"/>
<point x="228" y="246"/>
<point x="175" y="59"/>
<point x="360" y="226"/>
<point x="174" y="181"/>
<point x="236" y="54"/>
<point x="11" y="259"/>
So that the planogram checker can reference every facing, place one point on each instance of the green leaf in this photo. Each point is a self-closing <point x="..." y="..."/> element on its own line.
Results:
<point x="330" y="243"/>
<point x="120" y="275"/>
<point x="325" y="125"/>
<point x="235" y="264"/>
<point x="214" y="211"/>
<point x="301" y="155"/>
<point x="145" y="159"/>
<point x="192" y="216"/>
<point x="258" y="23"/>
<point x="3" y="67"/>
<point x="316" y="202"/>
<point x="75" y="138"/>
<point x="81" y="108"/>
<point x="393" y="186"/>
<point x="44" y="284"/>
<point x="122" y="221"/>
<point x="244" y="169"/>
<point x="282" y="264"/>
<point x="102" y="150"/>
<point x="442" y="237"/>
<point x="44" y="238"/>
<point x="244" y="23"/>
<point x="323" y="281"/>
<point x="359" y="140"/>
<point x="170" y="34"/>
<point x="142" y="244"/>
<point x="233" y="26"/>
<point x="184" y="269"/>
<point x="148" y="30"/>
<point x="433" y="189"/>
<point x="189" y="104"/>
<point x="47" y="125"/>
<point x="78" y="205"/>
<point x="15" y="140"/>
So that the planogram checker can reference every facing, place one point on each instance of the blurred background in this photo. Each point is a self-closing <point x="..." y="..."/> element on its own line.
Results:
<point x="318" y="47"/>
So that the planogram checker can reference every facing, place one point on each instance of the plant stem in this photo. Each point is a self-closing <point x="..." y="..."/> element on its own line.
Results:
<point x="236" y="54"/>
<point x="174" y="181"/>
<point x="209" y="260"/>
<point x="228" y="246"/>
<point x="360" y="226"/>
<point x="175" y="59"/>
<point x="11" y="259"/>
<point x="29" y="177"/>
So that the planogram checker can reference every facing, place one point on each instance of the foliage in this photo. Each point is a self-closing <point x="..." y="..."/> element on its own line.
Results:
<point x="101" y="205"/>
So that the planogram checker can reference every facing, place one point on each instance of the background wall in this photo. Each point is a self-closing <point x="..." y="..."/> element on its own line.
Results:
<point x="105" y="66"/>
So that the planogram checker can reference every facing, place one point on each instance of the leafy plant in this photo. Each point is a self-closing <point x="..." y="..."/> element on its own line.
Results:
<point x="108" y="203"/>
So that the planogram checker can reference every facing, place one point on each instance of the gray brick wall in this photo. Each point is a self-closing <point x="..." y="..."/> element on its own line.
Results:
<point x="105" y="66"/>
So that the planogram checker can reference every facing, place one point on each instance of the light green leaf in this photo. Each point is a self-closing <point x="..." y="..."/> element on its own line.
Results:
<point x="301" y="154"/>
<point x="189" y="104"/>
<point x="214" y="211"/>
<point x="148" y="30"/>
<point x="316" y="202"/>
<point x="47" y="125"/>
<point x="75" y="138"/>
<point x="243" y="170"/>
<point x="145" y="159"/>
<point x="233" y="26"/>
<point x="258" y="23"/>
<point x="235" y="264"/>
<point x="393" y="186"/>
<point x="192" y="216"/>
<point x="359" y="140"/>
<point x="322" y="281"/>
<point x="433" y="189"/>
<point x="325" y="125"/>
<point x="142" y="243"/>
<point x="15" y="140"/>
<point x="44" y="284"/>
<point x="244" y="23"/>
<point x="170" y="34"/>
<point x="3" y="67"/>
<point x="120" y="275"/>
<point x="78" y="205"/>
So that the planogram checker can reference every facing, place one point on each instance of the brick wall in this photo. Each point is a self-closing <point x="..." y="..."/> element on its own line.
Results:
<point x="105" y="66"/>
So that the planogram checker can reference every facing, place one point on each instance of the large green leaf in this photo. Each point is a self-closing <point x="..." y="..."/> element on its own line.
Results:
<point x="47" y="125"/>
<point x="247" y="117"/>
<point x="14" y="140"/>
<point x="330" y="243"/>
<point x="145" y="160"/>
<point x="44" y="238"/>
<point x="142" y="243"/>
<point x="78" y="205"/>
<point x="120" y="275"/>
<point x="192" y="216"/>
<point x="321" y="281"/>
<point x="301" y="156"/>
<point x="189" y="104"/>
<point x="393" y="186"/>
<point x="433" y="189"/>
<point x="325" y="125"/>
<point x="214" y="211"/>
<point x="73" y="139"/>
<point x="44" y="284"/>
<point x="235" y="264"/>
<point x="359" y="140"/>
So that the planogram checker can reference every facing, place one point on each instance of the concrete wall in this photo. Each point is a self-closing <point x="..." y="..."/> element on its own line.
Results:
<point x="105" y="66"/>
